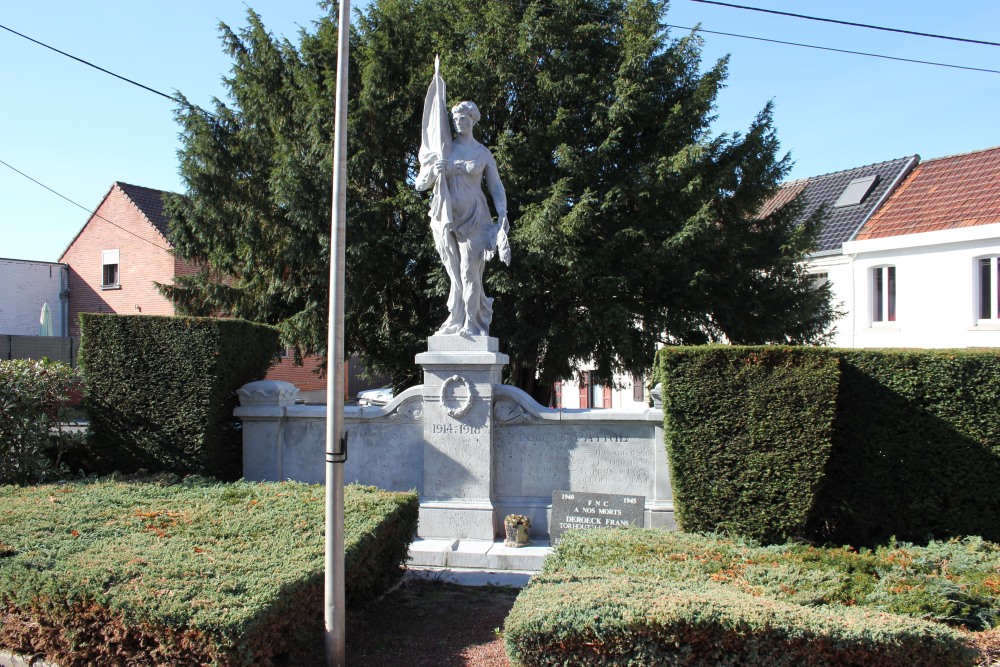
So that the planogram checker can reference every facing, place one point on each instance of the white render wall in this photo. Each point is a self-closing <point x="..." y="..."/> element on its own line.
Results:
<point x="24" y="287"/>
<point x="936" y="288"/>
<point x="838" y="270"/>
<point x="621" y="397"/>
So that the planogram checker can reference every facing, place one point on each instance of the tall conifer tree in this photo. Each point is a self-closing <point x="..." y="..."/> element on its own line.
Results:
<point x="632" y="224"/>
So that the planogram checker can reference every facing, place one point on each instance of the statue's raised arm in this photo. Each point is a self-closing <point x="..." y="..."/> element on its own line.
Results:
<point x="464" y="232"/>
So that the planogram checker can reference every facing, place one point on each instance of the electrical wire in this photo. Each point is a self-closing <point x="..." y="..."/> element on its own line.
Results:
<point x="175" y="98"/>
<point x="521" y="3"/>
<point x="90" y="64"/>
<point x="93" y="214"/>
<point x="850" y="23"/>
<point x="172" y="98"/>
<point x="836" y="50"/>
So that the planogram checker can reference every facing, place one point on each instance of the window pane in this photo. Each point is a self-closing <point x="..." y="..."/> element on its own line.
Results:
<point x="985" y="290"/>
<point x="110" y="274"/>
<point x="877" y="295"/>
<point x="891" y="292"/>
<point x="993" y="308"/>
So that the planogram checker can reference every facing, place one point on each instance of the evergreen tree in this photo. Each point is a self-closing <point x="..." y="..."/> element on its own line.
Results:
<point x="631" y="224"/>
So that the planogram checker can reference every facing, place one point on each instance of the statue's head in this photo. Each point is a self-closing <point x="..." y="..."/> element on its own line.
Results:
<point x="468" y="109"/>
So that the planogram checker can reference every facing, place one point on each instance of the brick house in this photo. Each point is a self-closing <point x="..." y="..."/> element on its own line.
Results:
<point x="122" y="251"/>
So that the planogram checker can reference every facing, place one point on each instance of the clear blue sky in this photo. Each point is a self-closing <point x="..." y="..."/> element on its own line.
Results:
<point x="78" y="130"/>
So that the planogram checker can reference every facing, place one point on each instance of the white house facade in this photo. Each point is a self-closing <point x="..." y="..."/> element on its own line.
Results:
<point x="26" y="287"/>
<point x="934" y="289"/>
<point x="926" y="265"/>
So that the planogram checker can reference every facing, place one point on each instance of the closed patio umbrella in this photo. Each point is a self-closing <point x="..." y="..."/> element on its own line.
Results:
<point x="45" y="322"/>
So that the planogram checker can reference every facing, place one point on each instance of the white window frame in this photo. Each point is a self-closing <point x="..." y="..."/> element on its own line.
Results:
<point x="596" y="395"/>
<point x="992" y="289"/>
<point x="111" y="258"/>
<point x="883" y="295"/>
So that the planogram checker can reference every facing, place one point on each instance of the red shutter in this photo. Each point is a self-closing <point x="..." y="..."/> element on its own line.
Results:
<point x="607" y="397"/>
<point x="584" y="390"/>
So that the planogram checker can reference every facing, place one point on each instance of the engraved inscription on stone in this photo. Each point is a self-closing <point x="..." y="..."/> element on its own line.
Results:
<point x="574" y="510"/>
<point x="532" y="461"/>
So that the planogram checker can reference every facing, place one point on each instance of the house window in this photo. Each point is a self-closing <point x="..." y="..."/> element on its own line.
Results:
<point x="109" y="260"/>
<point x="596" y="394"/>
<point x="584" y="384"/>
<point x="556" y="400"/>
<point x="989" y="289"/>
<point x="884" y="294"/>
<point x="637" y="389"/>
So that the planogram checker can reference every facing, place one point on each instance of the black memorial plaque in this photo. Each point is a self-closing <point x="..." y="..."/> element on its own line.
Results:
<point x="572" y="510"/>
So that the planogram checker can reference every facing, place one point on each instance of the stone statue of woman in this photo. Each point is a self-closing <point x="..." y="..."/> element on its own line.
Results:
<point x="464" y="232"/>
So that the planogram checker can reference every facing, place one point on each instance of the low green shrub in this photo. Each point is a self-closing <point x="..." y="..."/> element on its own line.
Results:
<point x="642" y="597"/>
<point x="33" y="397"/>
<point x="162" y="390"/>
<point x="954" y="582"/>
<point x="191" y="573"/>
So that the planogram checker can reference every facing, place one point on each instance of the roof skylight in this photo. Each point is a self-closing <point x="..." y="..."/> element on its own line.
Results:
<point x="856" y="191"/>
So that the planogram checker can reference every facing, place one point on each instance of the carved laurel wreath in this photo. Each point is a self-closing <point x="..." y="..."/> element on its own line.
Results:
<point x="456" y="412"/>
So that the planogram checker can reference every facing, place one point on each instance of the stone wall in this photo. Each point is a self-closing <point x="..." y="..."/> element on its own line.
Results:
<point x="474" y="452"/>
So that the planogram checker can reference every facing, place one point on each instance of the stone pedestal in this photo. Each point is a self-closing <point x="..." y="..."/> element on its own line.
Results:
<point x="459" y="375"/>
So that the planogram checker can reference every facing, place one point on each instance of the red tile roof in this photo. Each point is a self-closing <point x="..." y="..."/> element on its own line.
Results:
<point x="943" y="193"/>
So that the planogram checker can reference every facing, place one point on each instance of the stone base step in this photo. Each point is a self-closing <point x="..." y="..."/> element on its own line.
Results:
<point x="449" y="558"/>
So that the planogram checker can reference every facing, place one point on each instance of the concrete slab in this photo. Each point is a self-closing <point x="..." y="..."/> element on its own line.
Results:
<point x="477" y="555"/>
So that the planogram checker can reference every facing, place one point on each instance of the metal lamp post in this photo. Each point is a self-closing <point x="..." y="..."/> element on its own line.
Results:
<point x="336" y="452"/>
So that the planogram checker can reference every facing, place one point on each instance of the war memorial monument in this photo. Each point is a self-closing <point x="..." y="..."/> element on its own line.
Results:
<point x="475" y="449"/>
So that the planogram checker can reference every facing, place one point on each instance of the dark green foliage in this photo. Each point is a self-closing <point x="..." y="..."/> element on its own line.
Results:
<point x="157" y="572"/>
<point x="748" y="433"/>
<point x="34" y="396"/>
<point x="162" y="390"/>
<point x="643" y="597"/>
<point x="631" y="224"/>
<point x="916" y="447"/>
<point x="839" y="446"/>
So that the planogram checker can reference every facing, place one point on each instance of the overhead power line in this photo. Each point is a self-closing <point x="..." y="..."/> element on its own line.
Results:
<point x="172" y="98"/>
<point x="90" y="64"/>
<point x="521" y="3"/>
<point x="836" y="50"/>
<point x="850" y="23"/>
<point x="93" y="213"/>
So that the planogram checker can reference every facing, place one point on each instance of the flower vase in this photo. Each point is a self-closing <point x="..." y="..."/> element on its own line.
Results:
<point x="517" y="536"/>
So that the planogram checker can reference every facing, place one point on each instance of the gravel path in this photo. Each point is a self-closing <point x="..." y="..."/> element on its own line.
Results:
<point x="427" y="623"/>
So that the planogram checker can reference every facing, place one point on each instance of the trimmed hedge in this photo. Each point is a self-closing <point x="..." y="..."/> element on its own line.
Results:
<point x="748" y="433"/>
<point x="192" y="573"/>
<point x="162" y="390"/>
<point x="916" y="448"/>
<point x="840" y="446"/>
<point x="644" y="597"/>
